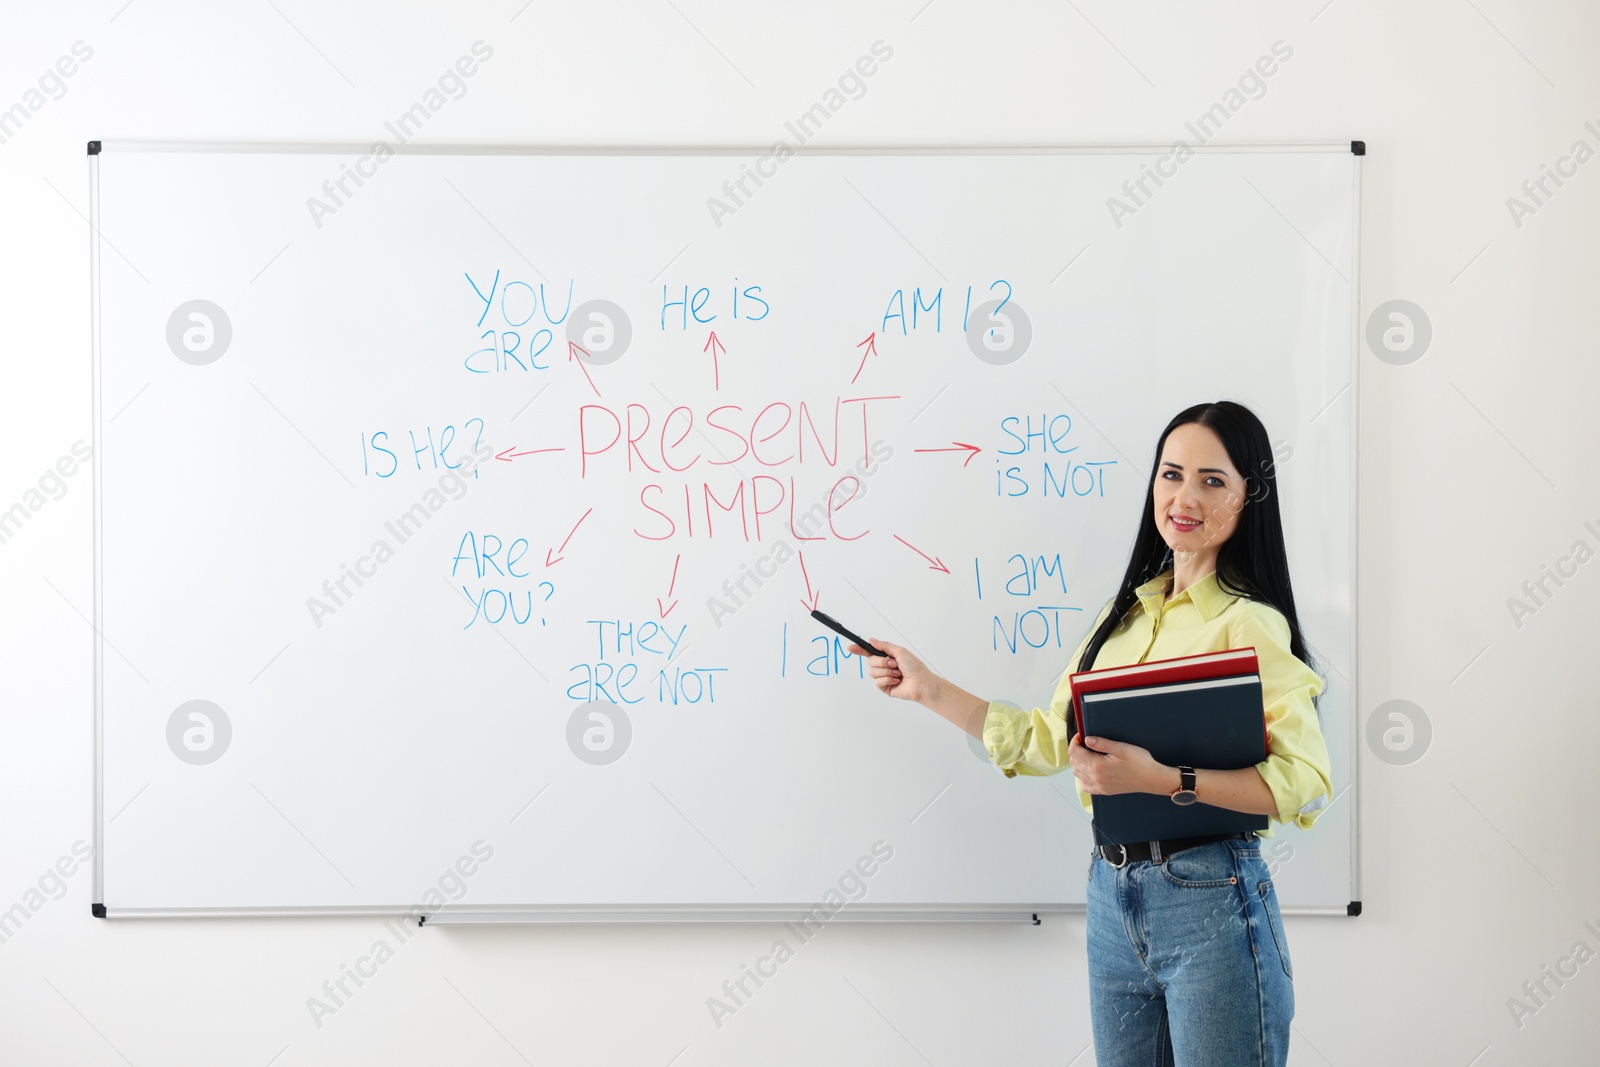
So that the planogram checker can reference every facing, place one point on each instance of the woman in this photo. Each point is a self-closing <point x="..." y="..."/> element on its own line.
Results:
<point x="1188" y="963"/>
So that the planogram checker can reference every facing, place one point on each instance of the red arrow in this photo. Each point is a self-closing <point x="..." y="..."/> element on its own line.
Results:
<point x="872" y="349"/>
<point x="972" y="450"/>
<point x="665" y="611"/>
<point x="714" y="346"/>
<point x="810" y="596"/>
<point x="573" y="348"/>
<point x="933" y="563"/>
<point x="510" y="454"/>
<point x="554" y="552"/>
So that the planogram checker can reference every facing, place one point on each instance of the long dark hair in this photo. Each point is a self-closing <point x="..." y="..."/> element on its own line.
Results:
<point x="1252" y="562"/>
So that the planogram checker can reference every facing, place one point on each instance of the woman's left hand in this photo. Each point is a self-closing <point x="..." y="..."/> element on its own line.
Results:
<point x="1106" y="768"/>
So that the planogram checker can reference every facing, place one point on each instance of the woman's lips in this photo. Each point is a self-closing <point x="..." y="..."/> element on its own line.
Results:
<point x="1183" y="525"/>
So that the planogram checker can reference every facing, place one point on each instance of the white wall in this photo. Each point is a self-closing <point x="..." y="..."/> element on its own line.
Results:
<point x="1479" y="861"/>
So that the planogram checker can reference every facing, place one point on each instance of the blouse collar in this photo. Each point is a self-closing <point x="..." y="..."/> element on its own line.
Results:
<point x="1205" y="594"/>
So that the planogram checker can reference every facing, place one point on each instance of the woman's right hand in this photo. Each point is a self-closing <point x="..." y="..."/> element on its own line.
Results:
<point x="899" y="674"/>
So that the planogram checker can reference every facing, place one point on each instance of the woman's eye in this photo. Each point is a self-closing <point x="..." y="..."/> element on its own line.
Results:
<point x="1212" y="480"/>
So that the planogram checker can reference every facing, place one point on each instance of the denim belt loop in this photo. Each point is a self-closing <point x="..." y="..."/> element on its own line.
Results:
<point x="1155" y="852"/>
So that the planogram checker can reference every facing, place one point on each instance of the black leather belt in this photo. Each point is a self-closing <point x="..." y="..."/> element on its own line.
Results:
<point x="1120" y="856"/>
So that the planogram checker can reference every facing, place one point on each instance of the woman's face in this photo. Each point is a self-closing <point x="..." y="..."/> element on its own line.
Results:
<point x="1198" y="493"/>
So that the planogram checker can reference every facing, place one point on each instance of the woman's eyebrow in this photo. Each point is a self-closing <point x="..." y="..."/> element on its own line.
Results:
<point x="1202" y="470"/>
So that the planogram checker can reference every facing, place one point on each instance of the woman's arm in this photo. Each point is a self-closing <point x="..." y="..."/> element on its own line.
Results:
<point x="957" y="705"/>
<point x="1106" y="768"/>
<point x="902" y="675"/>
<point x="1018" y="742"/>
<point x="1241" y="790"/>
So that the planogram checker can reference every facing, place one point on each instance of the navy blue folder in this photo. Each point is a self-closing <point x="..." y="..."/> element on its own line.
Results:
<point x="1214" y="724"/>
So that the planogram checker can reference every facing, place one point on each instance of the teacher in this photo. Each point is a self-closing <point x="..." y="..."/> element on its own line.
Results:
<point x="1188" y="963"/>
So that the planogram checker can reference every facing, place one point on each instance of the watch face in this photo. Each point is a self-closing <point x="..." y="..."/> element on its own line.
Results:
<point x="1184" y="796"/>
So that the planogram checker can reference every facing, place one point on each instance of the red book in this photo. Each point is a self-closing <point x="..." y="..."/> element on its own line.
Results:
<point x="1234" y="661"/>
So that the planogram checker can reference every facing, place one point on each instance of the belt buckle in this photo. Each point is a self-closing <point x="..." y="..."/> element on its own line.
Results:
<point x="1124" y="862"/>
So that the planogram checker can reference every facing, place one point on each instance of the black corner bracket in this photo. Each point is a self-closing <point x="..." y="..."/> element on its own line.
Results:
<point x="94" y="148"/>
<point x="1354" y="908"/>
<point x="1036" y="921"/>
<point x="1358" y="148"/>
<point x="99" y="910"/>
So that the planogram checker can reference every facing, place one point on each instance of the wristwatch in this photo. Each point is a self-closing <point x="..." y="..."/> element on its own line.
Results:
<point x="1185" y="793"/>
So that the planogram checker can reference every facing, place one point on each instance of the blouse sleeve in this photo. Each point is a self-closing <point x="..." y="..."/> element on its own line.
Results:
<point x="1035" y="742"/>
<point x="1296" y="769"/>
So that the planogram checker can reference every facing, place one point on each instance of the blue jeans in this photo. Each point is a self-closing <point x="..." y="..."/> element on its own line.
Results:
<point x="1188" y="964"/>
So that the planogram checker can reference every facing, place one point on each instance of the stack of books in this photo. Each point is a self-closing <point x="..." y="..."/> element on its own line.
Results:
<point x="1199" y="711"/>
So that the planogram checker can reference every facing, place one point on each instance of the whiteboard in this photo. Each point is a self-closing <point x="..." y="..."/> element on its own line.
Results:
<point x="445" y="563"/>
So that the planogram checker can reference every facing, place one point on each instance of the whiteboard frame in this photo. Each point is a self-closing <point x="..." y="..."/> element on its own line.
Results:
<point x="411" y="148"/>
<point x="708" y="913"/>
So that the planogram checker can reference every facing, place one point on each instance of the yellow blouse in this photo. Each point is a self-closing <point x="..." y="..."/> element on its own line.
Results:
<point x="1203" y="618"/>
